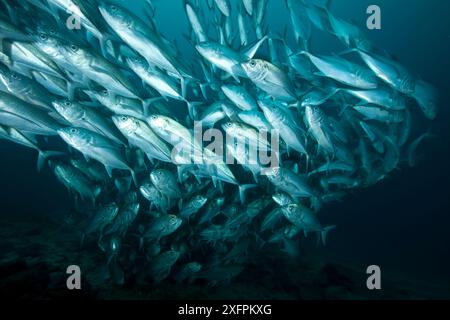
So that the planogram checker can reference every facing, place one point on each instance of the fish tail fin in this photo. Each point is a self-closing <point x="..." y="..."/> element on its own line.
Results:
<point x="242" y="189"/>
<point x="324" y="233"/>
<point x="44" y="155"/>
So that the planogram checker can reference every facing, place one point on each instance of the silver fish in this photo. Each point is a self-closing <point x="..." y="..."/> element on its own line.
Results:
<point x="270" y="79"/>
<point x="98" y="147"/>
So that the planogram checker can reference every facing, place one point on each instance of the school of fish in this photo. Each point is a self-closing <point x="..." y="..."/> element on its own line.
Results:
<point x="105" y="98"/>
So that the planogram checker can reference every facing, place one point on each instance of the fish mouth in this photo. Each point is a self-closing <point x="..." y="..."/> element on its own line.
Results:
<point x="57" y="106"/>
<point x="104" y="11"/>
<point x="201" y="49"/>
<point x="116" y="119"/>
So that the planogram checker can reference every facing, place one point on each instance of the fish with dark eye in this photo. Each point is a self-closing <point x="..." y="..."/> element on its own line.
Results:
<point x="125" y="218"/>
<point x="26" y="117"/>
<point x="285" y="124"/>
<point x="95" y="146"/>
<point x="163" y="226"/>
<point x="79" y="115"/>
<point x="306" y="220"/>
<point x="270" y="79"/>
<point x="187" y="271"/>
<point x="166" y="182"/>
<point x="96" y="68"/>
<point x="156" y="198"/>
<point x="291" y="183"/>
<point x="226" y="59"/>
<point x="136" y="33"/>
<point x="140" y="134"/>
<point x="104" y="216"/>
<point x="193" y="206"/>
<point x="26" y="89"/>
<point x="318" y="128"/>
<point x="75" y="181"/>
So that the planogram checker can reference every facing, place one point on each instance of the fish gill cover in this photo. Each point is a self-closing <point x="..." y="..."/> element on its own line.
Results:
<point x="184" y="159"/>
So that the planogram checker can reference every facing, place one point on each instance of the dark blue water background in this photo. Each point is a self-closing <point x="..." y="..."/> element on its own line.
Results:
<point x="401" y="224"/>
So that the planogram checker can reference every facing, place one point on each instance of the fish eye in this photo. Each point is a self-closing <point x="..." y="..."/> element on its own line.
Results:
<point x="14" y="76"/>
<point x="67" y="103"/>
<point x="252" y="64"/>
<point x="73" y="130"/>
<point x="153" y="117"/>
<point x="113" y="8"/>
<point x="43" y="36"/>
<point x="104" y="92"/>
<point x="73" y="47"/>
<point x="123" y="118"/>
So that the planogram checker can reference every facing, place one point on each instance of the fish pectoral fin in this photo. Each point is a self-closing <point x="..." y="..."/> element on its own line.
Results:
<point x="234" y="70"/>
<point x="109" y="171"/>
<point x="250" y="51"/>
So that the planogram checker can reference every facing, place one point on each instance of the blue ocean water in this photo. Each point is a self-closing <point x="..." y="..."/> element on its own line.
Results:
<point x="402" y="223"/>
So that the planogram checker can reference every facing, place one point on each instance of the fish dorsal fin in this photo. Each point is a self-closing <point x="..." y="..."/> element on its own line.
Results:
<point x="250" y="51"/>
